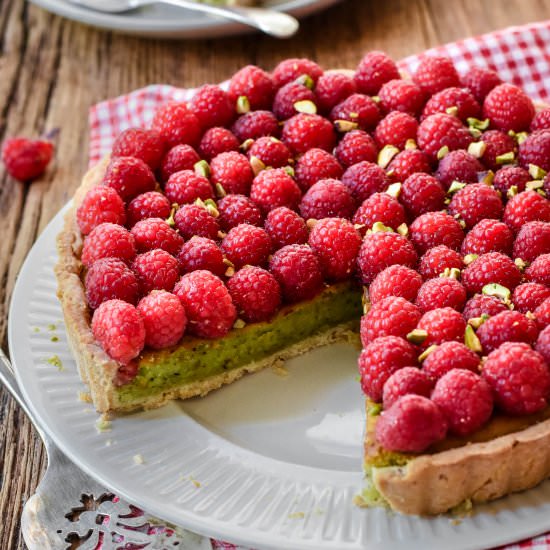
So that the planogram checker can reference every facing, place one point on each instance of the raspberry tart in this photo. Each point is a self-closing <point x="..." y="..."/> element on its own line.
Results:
<point x="301" y="207"/>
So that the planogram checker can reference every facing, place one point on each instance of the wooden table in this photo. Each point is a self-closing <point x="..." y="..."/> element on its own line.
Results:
<point x="52" y="70"/>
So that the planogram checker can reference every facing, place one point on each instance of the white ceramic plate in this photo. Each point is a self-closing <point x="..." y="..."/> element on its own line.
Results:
<point x="165" y="21"/>
<point x="268" y="462"/>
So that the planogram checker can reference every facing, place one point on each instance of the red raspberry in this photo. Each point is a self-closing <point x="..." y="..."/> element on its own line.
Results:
<point x="497" y="143"/>
<point x="480" y="81"/>
<point x="273" y="188"/>
<point x="442" y="130"/>
<point x="442" y="325"/>
<point x="543" y="344"/>
<point x="237" y="209"/>
<point x="327" y="198"/>
<point x="395" y="129"/>
<point x="450" y="356"/>
<point x="441" y="292"/>
<point x="408" y="162"/>
<point x="532" y="240"/>
<point x="536" y="150"/>
<point x="181" y="157"/>
<point x="192" y="219"/>
<point x="422" y="193"/>
<point x="507" y="326"/>
<point x="119" y="329"/>
<point x="541" y="120"/>
<point x="488" y="236"/>
<point x="356" y="146"/>
<point x="271" y="152"/>
<point x="476" y="202"/>
<point x="402" y="95"/>
<point x="380" y="359"/>
<point x="287" y="96"/>
<point x="411" y="425"/>
<point x="437" y="259"/>
<point x="465" y="400"/>
<point x="480" y="304"/>
<point x="336" y="243"/>
<point x="435" y="228"/>
<point x="528" y="296"/>
<point x="26" y="159"/>
<point x="453" y="98"/>
<point x="304" y="131"/>
<point x="201" y="253"/>
<point x="436" y="73"/>
<point x="382" y="249"/>
<point x="186" y="187"/>
<point x="492" y="267"/>
<point x="293" y="68"/>
<point x="129" y="177"/>
<point x="255" y="124"/>
<point x="392" y="316"/>
<point x="358" y="108"/>
<point x="526" y="207"/>
<point x="255" y="84"/>
<point x="255" y="292"/>
<point x="146" y="145"/>
<point x="156" y="233"/>
<point x="216" y="141"/>
<point x="108" y="240"/>
<point x="396" y="280"/>
<point x="519" y="378"/>
<point x="176" y="123"/>
<point x="542" y="314"/>
<point x="405" y="381"/>
<point x="315" y="165"/>
<point x="246" y="244"/>
<point x="156" y="270"/>
<point x="373" y="70"/>
<point x="380" y="207"/>
<point x="458" y="166"/>
<point x="333" y="88"/>
<point x="212" y="106"/>
<point x="232" y="171"/>
<point x="109" y="279"/>
<point x="285" y="227"/>
<point x="148" y="205"/>
<point x="539" y="270"/>
<point x="100" y="205"/>
<point x="364" y="179"/>
<point x="298" y="271"/>
<point x="509" y="176"/>
<point x="207" y="302"/>
<point x="164" y="319"/>
<point x="508" y="108"/>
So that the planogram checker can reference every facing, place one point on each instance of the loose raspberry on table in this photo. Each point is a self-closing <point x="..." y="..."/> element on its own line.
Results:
<point x="287" y="96"/>
<point x="507" y="326"/>
<point x="294" y="68"/>
<point x="526" y="207"/>
<point x="374" y="69"/>
<point x="539" y="270"/>
<point x="380" y="250"/>
<point x="232" y="171"/>
<point x="508" y="108"/>
<point x="405" y="381"/>
<point x="186" y="187"/>
<point x="156" y="233"/>
<point x="237" y="209"/>
<point x="411" y="424"/>
<point x="480" y="81"/>
<point x="212" y="106"/>
<point x="541" y="120"/>
<point x="436" y="228"/>
<point x="422" y="193"/>
<point x="207" y="302"/>
<point x="450" y="356"/>
<point x="528" y="296"/>
<point x="380" y="207"/>
<point x="176" y="123"/>
<point x="442" y="325"/>
<point x="536" y="150"/>
<point x="519" y="378"/>
<point x="163" y="317"/>
<point x="336" y="243"/>
<point x="146" y="145"/>
<point x="100" y="205"/>
<point x="402" y="95"/>
<point x="441" y="292"/>
<point x="255" y="292"/>
<point x="255" y="124"/>
<point x="480" y="304"/>
<point x="542" y="314"/>
<point x="380" y="359"/>
<point x="458" y="166"/>
<point x="354" y="147"/>
<point x="442" y="130"/>
<point x="298" y="271"/>
<point x="365" y="178"/>
<point x="129" y="177"/>
<point x="497" y="144"/>
<point x="110" y="279"/>
<point x="315" y="165"/>
<point x="466" y="400"/>
<point x="437" y="259"/>
<point x="26" y="159"/>
<point x="119" y="329"/>
<point x="285" y="227"/>
<point x="201" y="253"/>
<point x="392" y="316"/>
<point x="273" y="188"/>
<point x="488" y="236"/>
<point x="147" y="205"/>
<point x="435" y="73"/>
<point x="253" y="83"/>
<point x="358" y="108"/>
<point x="460" y="100"/>
<point x="180" y="157"/>
<point x="510" y="176"/>
<point x="108" y="240"/>
<point x="396" y="280"/>
<point x="216" y="141"/>
<point x="543" y="344"/>
<point x="396" y="128"/>
<point x="333" y="88"/>
<point x="193" y="219"/>
<point x="246" y="245"/>
<point x="532" y="240"/>
<point x="492" y="267"/>
<point x="476" y="202"/>
<point x="327" y="198"/>
<point x="406" y="163"/>
<point x="306" y="131"/>
<point x="270" y="151"/>
<point x="156" y="270"/>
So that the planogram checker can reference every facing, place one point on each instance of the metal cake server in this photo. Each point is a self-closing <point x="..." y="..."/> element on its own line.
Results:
<point x="70" y="510"/>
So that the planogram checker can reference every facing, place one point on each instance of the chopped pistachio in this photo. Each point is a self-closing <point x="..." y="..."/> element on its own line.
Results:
<point x="394" y="190"/>
<point x="453" y="111"/>
<point x="486" y="177"/>
<point x="476" y="322"/>
<point x="246" y="145"/>
<point x="239" y="323"/>
<point x="451" y="273"/>
<point x="477" y="149"/>
<point x="365" y="300"/>
<point x="512" y="192"/>
<point x="475" y="133"/>
<point x="417" y="336"/>
<point x="376" y="98"/>
<point x="311" y="223"/>
<point x="536" y="172"/>
<point x="220" y="191"/>
<point x="499" y="291"/>
<point x="534" y="185"/>
<point x="469" y="258"/>
<point x="306" y="80"/>
<point x="306" y="106"/>
<point x="478" y="124"/>
<point x="444" y="151"/>
<point x="202" y="168"/>
<point x="520" y="137"/>
<point x="345" y="125"/>
<point x="375" y="409"/>
<point x="289" y="170"/>
<point x="411" y="144"/>
<point x="379" y="226"/>
<point x="403" y="229"/>
<point x="506" y="158"/>
<point x="530" y="315"/>
<point x="103" y="424"/>
<point x="386" y="154"/>
<point x="257" y="165"/>
<point x="520" y="264"/>
<point x="138" y="459"/>
<point x="427" y="352"/>
<point x="456" y="186"/>
<point x="243" y="105"/>
<point x="211" y="208"/>
<point x="471" y="340"/>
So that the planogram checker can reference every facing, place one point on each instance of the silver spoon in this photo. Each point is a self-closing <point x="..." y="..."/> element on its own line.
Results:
<point x="274" y="23"/>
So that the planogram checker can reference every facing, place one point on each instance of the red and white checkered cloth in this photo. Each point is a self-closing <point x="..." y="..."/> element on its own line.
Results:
<point x="520" y="55"/>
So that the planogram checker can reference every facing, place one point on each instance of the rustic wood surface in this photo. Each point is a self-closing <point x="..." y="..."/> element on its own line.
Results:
<point x="52" y="70"/>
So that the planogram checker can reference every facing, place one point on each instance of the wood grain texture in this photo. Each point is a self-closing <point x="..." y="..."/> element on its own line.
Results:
<point x="52" y="70"/>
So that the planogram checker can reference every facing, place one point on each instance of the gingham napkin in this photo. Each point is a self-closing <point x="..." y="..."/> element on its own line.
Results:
<point x="520" y="55"/>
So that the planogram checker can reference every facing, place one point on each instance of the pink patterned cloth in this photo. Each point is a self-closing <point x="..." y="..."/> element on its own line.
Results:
<point x="520" y="55"/>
